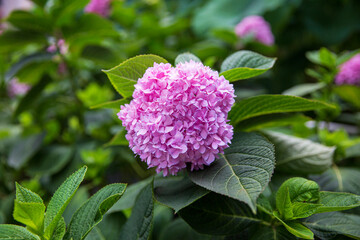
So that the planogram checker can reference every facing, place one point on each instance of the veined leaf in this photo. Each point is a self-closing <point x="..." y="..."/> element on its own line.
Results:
<point x="328" y="225"/>
<point x="177" y="192"/>
<point x="14" y="232"/>
<point x="337" y="201"/>
<point x="225" y="216"/>
<point x="61" y="199"/>
<point x="25" y="195"/>
<point x="30" y="213"/>
<point x="60" y="230"/>
<point x="186" y="57"/>
<point x="124" y="76"/>
<point x="245" y="64"/>
<point x="283" y="203"/>
<point x="296" y="228"/>
<point x="92" y="211"/>
<point x="303" y="210"/>
<point x="112" y="104"/>
<point x="138" y="226"/>
<point x="271" y="233"/>
<point x="300" y="190"/>
<point x="304" y="89"/>
<point x="242" y="172"/>
<point x="339" y="179"/>
<point x="268" y="104"/>
<point x="297" y="155"/>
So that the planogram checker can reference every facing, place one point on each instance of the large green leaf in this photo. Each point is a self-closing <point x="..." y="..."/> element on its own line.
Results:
<point x="60" y="200"/>
<point x="263" y="232"/>
<point x="245" y="64"/>
<point x="339" y="179"/>
<point x="177" y="192"/>
<point x="296" y="228"/>
<point x="219" y="215"/>
<point x="92" y="211"/>
<point x="242" y="172"/>
<point x="13" y="232"/>
<point x="297" y="155"/>
<point x="304" y="89"/>
<point x="139" y="225"/>
<point x="124" y="76"/>
<point x="17" y="40"/>
<point x="268" y="104"/>
<point x="26" y="20"/>
<point x="349" y="93"/>
<point x="328" y="225"/>
<point x="337" y="201"/>
<point x="186" y="57"/>
<point x="60" y="230"/>
<point x="283" y="203"/>
<point x="24" y="149"/>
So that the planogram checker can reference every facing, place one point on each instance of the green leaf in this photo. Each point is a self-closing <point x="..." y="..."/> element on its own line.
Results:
<point x="131" y="193"/>
<point x="124" y="76"/>
<point x="339" y="179"/>
<point x="24" y="149"/>
<point x="226" y="35"/>
<point x="303" y="210"/>
<point x="44" y="162"/>
<point x="139" y="225"/>
<point x="242" y="172"/>
<point x="328" y="225"/>
<point x="92" y="211"/>
<point x="180" y="230"/>
<point x="327" y="58"/>
<point x="298" y="155"/>
<point x="245" y="64"/>
<point x="349" y="93"/>
<point x="177" y="192"/>
<point x="25" y="195"/>
<point x="186" y="57"/>
<point x="218" y="215"/>
<point x="119" y="139"/>
<point x="296" y="228"/>
<point x="60" y="230"/>
<point x="16" y="40"/>
<point x="112" y="104"/>
<point x="268" y="104"/>
<point x="30" y="213"/>
<point x="337" y="201"/>
<point x="304" y="89"/>
<point x="270" y="233"/>
<point x="28" y="21"/>
<point x="9" y="232"/>
<point x="300" y="190"/>
<point x="61" y="199"/>
<point x="283" y="203"/>
<point x="272" y="120"/>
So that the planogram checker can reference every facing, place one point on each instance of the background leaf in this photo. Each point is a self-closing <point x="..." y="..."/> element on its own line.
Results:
<point x="177" y="192"/>
<point x="139" y="225"/>
<point x="186" y="57"/>
<point x="92" y="211"/>
<point x="297" y="155"/>
<point x="245" y="64"/>
<point x="336" y="201"/>
<point x="304" y="89"/>
<point x="349" y="93"/>
<point x="112" y="104"/>
<point x="242" y="172"/>
<point x="8" y="231"/>
<point x="124" y="76"/>
<point x="296" y="228"/>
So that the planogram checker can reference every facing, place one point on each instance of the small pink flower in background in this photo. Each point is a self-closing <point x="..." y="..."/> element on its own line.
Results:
<point x="100" y="7"/>
<point x="178" y="116"/>
<point x="16" y="88"/>
<point x="256" y="26"/>
<point x="349" y="72"/>
<point x="61" y="45"/>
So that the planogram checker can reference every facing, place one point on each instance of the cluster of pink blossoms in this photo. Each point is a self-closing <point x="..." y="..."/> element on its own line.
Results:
<point x="349" y="72"/>
<point x="16" y="88"/>
<point x="61" y="45"/>
<point x="100" y="7"/>
<point x="256" y="26"/>
<point x="178" y="116"/>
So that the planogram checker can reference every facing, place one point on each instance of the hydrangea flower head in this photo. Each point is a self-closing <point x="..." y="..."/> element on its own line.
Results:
<point x="16" y="88"/>
<point x="256" y="26"/>
<point x="349" y="72"/>
<point x="100" y="7"/>
<point x="178" y="115"/>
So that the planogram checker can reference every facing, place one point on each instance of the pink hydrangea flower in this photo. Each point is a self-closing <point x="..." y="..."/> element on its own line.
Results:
<point x="100" y="7"/>
<point x="16" y="88"/>
<point x="256" y="26"/>
<point x="349" y="72"/>
<point x="178" y="116"/>
<point x="61" y="45"/>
